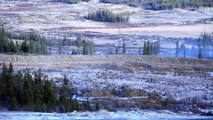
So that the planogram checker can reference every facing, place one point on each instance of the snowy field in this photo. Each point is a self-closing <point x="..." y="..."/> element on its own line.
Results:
<point x="48" y="17"/>
<point x="120" y="115"/>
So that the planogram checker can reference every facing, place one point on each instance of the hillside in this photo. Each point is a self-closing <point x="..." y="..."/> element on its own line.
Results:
<point x="115" y="59"/>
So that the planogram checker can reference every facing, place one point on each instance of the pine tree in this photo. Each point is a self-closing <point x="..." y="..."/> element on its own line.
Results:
<point x="9" y="82"/>
<point x="38" y="90"/>
<point x="24" y="47"/>
<point x="14" y="105"/>
<point x="28" y="92"/>
<point x="117" y="50"/>
<point x="3" y="78"/>
<point x="17" y="48"/>
<point x="49" y="95"/>
<point x="88" y="105"/>
<point x="200" y="53"/>
<point x="177" y="48"/>
<point x="65" y="95"/>
<point x="145" y="48"/>
<point x="18" y="87"/>
<point x="31" y="47"/>
<point x="149" y="48"/>
<point x="97" y="107"/>
<point x="124" y="48"/>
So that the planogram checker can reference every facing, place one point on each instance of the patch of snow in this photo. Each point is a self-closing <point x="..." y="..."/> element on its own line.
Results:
<point x="102" y="114"/>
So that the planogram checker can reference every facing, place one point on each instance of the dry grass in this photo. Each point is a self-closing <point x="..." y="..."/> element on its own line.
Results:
<point x="66" y="60"/>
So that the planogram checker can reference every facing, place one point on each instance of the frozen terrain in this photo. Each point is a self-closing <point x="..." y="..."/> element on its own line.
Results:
<point x="129" y="86"/>
<point x="120" y="115"/>
<point x="48" y="17"/>
<point x="58" y="19"/>
<point x="132" y="81"/>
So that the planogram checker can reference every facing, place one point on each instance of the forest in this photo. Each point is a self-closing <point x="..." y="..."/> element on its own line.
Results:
<point x="32" y="43"/>
<point x="27" y="91"/>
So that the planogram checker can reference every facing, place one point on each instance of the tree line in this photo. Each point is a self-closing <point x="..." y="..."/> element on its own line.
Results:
<point x="34" y="92"/>
<point x="170" y="4"/>
<point x="163" y="4"/>
<point x="106" y="16"/>
<point x="33" y="43"/>
<point x="205" y="41"/>
<point x="87" y="46"/>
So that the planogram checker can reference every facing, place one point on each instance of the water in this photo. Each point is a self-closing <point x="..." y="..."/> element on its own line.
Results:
<point x="167" y="49"/>
<point x="192" y="50"/>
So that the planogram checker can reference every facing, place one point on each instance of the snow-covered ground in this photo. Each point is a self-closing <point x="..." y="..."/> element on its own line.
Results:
<point x="175" y="16"/>
<point x="120" y="115"/>
<point x="44" y="16"/>
<point x="106" y="79"/>
<point x="169" y="83"/>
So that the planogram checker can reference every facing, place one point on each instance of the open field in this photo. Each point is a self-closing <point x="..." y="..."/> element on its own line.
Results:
<point x="179" y="31"/>
<point x="57" y="20"/>
<point x="129" y="81"/>
<point x="47" y="17"/>
<point x="100" y="78"/>
<point x="39" y="59"/>
<point x="133" y="115"/>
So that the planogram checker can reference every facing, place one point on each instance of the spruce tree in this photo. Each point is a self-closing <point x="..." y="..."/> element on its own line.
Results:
<point x="200" y="53"/>
<point x="9" y="82"/>
<point x="28" y="92"/>
<point x="145" y="48"/>
<point x="49" y="95"/>
<point x="97" y="107"/>
<point x="124" y="48"/>
<point x="3" y="91"/>
<point x="38" y="90"/>
<point x="177" y="48"/>
<point x="65" y="95"/>
<point x="18" y="87"/>
<point x="14" y="105"/>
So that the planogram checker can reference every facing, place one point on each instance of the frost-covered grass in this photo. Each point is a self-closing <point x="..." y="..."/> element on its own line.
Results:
<point x="168" y="82"/>
<point x="120" y="115"/>
<point x="129" y="80"/>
